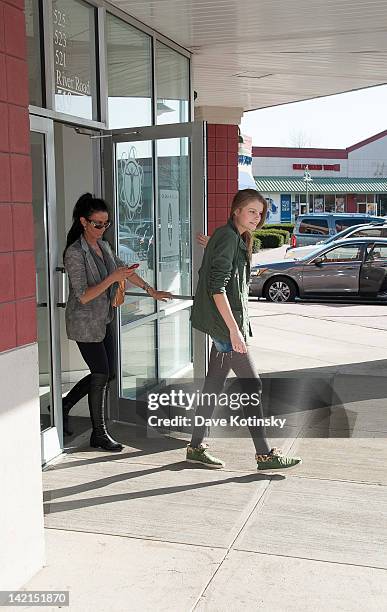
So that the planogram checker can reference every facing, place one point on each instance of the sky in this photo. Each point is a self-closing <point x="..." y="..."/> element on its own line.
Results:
<point x="332" y="122"/>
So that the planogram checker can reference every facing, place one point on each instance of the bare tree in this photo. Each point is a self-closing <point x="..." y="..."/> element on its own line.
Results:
<point x="299" y="138"/>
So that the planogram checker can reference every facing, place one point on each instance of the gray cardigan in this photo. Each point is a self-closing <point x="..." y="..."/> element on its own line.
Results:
<point x="87" y="322"/>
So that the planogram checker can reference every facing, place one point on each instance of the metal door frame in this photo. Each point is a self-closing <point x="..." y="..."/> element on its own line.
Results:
<point x="196" y="132"/>
<point x="52" y="438"/>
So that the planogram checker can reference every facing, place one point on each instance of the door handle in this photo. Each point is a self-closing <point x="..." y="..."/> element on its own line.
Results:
<point x="62" y="293"/>
<point x="175" y="297"/>
<point x="39" y="304"/>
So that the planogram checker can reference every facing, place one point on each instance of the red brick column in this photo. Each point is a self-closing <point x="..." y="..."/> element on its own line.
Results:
<point x="17" y="265"/>
<point x="222" y="172"/>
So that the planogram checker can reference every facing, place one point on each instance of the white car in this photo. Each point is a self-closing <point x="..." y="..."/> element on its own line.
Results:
<point x="377" y="230"/>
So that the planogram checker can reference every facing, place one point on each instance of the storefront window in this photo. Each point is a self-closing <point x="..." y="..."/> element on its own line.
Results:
<point x="129" y="69"/>
<point x="319" y="203"/>
<point x="329" y="203"/>
<point x="74" y="58"/>
<point x="172" y="79"/>
<point x="371" y="204"/>
<point x="361" y="203"/>
<point x="340" y="203"/>
<point x="383" y="205"/>
<point x="300" y="204"/>
<point x="34" y="53"/>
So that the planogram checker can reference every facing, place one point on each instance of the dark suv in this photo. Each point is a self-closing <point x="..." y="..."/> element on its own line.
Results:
<point x="316" y="227"/>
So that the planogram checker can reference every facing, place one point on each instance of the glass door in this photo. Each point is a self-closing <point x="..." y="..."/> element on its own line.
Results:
<point x="43" y="199"/>
<point x="156" y="179"/>
<point x="77" y="170"/>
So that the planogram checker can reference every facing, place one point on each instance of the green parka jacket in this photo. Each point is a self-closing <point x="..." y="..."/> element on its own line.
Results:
<point x="225" y="269"/>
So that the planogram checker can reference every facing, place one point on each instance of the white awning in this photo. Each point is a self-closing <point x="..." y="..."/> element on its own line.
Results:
<point x="257" y="53"/>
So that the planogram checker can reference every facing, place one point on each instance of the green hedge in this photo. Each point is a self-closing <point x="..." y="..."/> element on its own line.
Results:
<point x="282" y="232"/>
<point x="289" y="227"/>
<point x="269" y="239"/>
<point x="257" y="245"/>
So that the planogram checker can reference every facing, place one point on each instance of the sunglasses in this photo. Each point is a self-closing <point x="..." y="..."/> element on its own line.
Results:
<point x="98" y="225"/>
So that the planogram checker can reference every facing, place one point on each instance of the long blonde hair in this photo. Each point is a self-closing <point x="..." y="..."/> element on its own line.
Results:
<point x="242" y="199"/>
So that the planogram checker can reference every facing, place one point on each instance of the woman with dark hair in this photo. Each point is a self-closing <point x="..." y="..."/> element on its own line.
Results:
<point x="94" y="273"/>
<point x="220" y="309"/>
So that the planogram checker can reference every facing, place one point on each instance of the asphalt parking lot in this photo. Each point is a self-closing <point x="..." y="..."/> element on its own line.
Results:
<point x="306" y="335"/>
<point x="300" y="335"/>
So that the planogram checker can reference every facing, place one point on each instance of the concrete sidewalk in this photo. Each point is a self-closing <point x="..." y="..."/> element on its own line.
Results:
<point x="269" y="255"/>
<point x="143" y="531"/>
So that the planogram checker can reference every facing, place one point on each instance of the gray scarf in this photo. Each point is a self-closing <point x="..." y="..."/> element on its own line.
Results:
<point x="100" y="268"/>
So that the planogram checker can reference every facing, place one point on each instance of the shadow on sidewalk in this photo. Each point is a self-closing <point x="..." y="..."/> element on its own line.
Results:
<point x="150" y="446"/>
<point x="51" y="508"/>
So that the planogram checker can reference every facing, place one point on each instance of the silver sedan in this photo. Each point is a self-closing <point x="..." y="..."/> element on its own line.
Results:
<point x="352" y="268"/>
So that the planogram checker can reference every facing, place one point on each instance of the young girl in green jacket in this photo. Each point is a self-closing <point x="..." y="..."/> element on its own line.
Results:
<point x="220" y="309"/>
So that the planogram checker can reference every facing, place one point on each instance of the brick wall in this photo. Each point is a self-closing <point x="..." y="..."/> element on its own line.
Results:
<point x="222" y="172"/>
<point x="17" y="266"/>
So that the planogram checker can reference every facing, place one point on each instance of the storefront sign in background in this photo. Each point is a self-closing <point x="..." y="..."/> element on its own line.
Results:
<point x="286" y="207"/>
<point x="334" y="167"/>
<point x="273" y="208"/>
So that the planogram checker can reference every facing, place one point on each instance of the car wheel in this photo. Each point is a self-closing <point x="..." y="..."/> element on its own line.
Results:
<point x="280" y="289"/>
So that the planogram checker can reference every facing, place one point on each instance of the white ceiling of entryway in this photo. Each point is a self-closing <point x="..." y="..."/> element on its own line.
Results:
<point x="258" y="53"/>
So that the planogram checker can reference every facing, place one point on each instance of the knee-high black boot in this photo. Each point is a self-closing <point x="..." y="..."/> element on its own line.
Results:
<point x="100" y="437"/>
<point x="80" y="389"/>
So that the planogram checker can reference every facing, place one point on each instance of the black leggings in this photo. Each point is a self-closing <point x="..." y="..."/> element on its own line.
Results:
<point x="100" y="356"/>
<point x="219" y="367"/>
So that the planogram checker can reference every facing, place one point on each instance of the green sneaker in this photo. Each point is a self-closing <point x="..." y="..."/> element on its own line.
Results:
<point x="201" y="455"/>
<point x="275" y="460"/>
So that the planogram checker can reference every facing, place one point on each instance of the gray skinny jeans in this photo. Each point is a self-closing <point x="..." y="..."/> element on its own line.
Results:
<point x="221" y="363"/>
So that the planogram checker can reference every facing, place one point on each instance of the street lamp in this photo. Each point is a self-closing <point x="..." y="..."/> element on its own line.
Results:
<point x="307" y="178"/>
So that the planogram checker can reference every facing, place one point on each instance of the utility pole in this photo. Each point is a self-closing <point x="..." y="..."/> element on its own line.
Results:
<point x="307" y="178"/>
